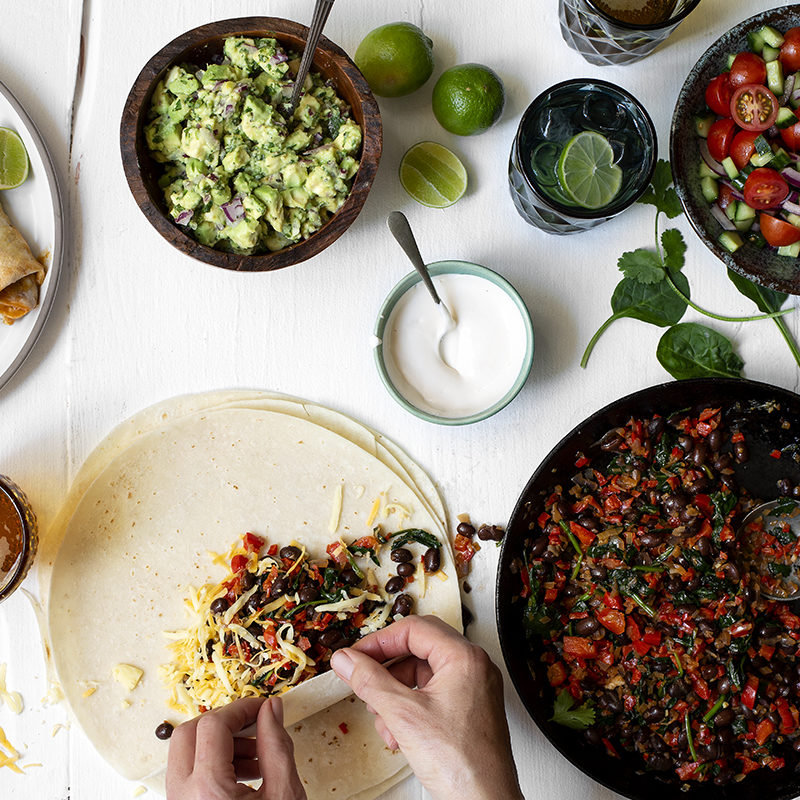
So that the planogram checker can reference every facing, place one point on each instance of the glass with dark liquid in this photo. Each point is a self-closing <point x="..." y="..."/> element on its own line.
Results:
<point x="619" y="31"/>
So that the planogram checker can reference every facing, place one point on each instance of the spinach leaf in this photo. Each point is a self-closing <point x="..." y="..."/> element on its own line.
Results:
<point x="691" y="350"/>
<point x="724" y="503"/>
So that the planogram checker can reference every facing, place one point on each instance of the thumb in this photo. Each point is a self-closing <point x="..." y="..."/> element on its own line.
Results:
<point x="276" y="755"/>
<point x="369" y="680"/>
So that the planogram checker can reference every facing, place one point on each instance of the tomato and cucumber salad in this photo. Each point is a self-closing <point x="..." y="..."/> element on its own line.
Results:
<point x="750" y="172"/>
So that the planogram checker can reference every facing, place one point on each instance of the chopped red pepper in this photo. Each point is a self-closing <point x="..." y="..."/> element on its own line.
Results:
<point x="749" y="693"/>
<point x="764" y="730"/>
<point x="788" y="723"/>
<point x="557" y="673"/>
<point x="775" y="454"/>
<point x="584" y="535"/>
<point x="737" y="437"/>
<point x="238" y="563"/>
<point x="252" y="543"/>
<point x="612" y="619"/>
<point x="582" y="461"/>
<point x="343" y="727"/>
<point x="579" y="647"/>
<point x="612" y="601"/>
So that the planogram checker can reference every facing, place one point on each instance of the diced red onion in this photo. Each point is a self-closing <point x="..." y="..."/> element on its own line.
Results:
<point x="279" y="58"/>
<point x="791" y="175"/>
<point x="796" y="94"/>
<point x="317" y="138"/>
<point x="234" y="209"/>
<point x="721" y="217"/>
<point x="184" y="217"/>
<point x="734" y="191"/>
<point x="788" y="88"/>
<point x="228" y="111"/>
<point x="791" y="208"/>
<point x="251" y="47"/>
<point x="772" y="132"/>
<point x="710" y="160"/>
<point x="206" y="199"/>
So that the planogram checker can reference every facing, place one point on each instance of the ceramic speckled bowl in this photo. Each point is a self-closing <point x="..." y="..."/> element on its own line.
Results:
<point x="764" y="266"/>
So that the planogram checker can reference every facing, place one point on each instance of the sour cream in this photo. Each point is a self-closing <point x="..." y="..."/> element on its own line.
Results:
<point x="456" y="370"/>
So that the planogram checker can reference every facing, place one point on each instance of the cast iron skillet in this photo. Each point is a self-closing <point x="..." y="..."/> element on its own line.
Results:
<point x="770" y="419"/>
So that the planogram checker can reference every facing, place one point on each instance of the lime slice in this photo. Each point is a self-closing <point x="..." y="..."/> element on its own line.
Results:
<point x="433" y="175"/>
<point x="13" y="160"/>
<point x="587" y="172"/>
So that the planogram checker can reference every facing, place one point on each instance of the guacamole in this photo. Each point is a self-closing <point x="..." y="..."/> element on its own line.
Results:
<point x="238" y="175"/>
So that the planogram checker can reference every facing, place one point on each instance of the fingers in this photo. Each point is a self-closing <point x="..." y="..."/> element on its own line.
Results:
<point x="215" y="729"/>
<point x="276" y="755"/>
<point x="428" y="638"/>
<point x="412" y="672"/>
<point x="180" y="760"/>
<point x="370" y="680"/>
<point x="386" y="734"/>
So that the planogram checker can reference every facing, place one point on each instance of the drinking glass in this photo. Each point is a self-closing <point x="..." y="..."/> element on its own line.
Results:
<point x="589" y="27"/>
<point x="552" y="120"/>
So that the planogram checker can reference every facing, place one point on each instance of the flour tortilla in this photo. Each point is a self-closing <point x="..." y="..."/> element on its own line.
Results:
<point x="139" y="536"/>
<point x="20" y="273"/>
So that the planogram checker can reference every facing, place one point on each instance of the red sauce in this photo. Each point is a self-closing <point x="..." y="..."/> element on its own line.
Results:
<point x="11" y="535"/>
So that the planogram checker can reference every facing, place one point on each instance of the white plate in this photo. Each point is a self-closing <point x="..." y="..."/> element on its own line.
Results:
<point x="35" y="209"/>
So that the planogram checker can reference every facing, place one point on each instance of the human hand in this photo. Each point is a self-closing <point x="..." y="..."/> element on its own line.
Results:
<point x="452" y="728"/>
<point x="206" y="762"/>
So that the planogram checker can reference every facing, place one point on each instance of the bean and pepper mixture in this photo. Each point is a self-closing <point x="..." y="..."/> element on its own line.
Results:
<point x="279" y="614"/>
<point x="655" y="639"/>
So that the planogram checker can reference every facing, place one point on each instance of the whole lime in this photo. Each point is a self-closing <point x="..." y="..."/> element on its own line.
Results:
<point x="468" y="99"/>
<point x="396" y="59"/>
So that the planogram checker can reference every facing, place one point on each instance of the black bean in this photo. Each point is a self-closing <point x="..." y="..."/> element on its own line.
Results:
<point x="220" y="606"/>
<point x="693" y="584"/>
<point x="406" y="569"/>
<point x="209" y="649"/>
<point x="279" y="586"/>
<point x="251" y="606"/>
<point x="599" y="572"/>
<point x="247" y="581"/>
<point x="329" y="637"/>
<point x="465" y="529"/>
<point x="559" y="510"/>
<point x="538" y="547"/>
<point x="593" y="735"/>
<point x="700" y="454"/>
<point x="611" y="441"/>
<point x="723" y="687"/>
<point x="656" y="426"/>
<point x="725" y="775"/>
<point x="401" y="555"/>
<point x="721" y="461"/>
<point x="308" y="593"/>
<point x="678" y="688"/>
<point x="715" y="440"/>
<point x="350" y="576"/>
<point x="583" y="627"/>
<point x="613" y="702"/>
<point x="723" y="718"/>
<point x="708" y="672"/>
<point x="255" y="630"/>
<point x="674" y="502"/>
<point x="660" y="762"/>
<point x="403" y="605"/>
<point x="290" y="552"/>
<point x="432" y="559"/>
<point x="703" y="546"/>
<point x="731" y="571"/>
<point x="491" y="533"/>
<point x="653" y="714"/>
<point x="741" y="453"/>
<point x="164" y="730"/>
<point x="650" y="540"/>
<point x="796" y="491"/>
<point x="748" y="594"/>
<point x="395" y="584"/>
<point x="286" y="671"/>
<point x="686" y="444"/>
<point x="784" y="487"/>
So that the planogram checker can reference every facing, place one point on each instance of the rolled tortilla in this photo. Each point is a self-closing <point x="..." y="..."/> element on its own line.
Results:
<point x="20" y="273"/>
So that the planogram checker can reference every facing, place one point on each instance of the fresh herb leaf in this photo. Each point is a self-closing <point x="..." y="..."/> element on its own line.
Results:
<point x="363" y="550"/>
<point x="778" y="569"/>
<point x="641" y="265"/>
<point x="674" y="249"/>
<point x="691" y="350"/>
<point x="784" y="536"/>
<point x="535" y="619"/>
<point x="333" y="123"/>
<point x="578" y="718"/>
<point x="660" y="192"/>
<point x="724" y="503"/>
<point x="403" y="537"/>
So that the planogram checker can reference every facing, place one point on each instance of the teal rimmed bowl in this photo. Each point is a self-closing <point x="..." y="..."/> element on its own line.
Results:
<point x="455" y="268"/>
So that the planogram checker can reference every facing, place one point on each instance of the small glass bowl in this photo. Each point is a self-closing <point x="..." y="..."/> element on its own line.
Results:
<point x="10" y="492"/>
<point x="456" y="268"/>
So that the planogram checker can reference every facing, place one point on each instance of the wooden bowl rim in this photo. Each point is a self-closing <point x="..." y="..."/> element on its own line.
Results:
<point x="171" y="53"/>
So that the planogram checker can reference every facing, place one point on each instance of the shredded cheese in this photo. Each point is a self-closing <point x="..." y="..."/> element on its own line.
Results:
<point x="127" y="675"/>
<point x="12" y="699"/>
<point x="336" y="511"/>
<point x="8" y="754"/>
<point x="373" y="512"/>
<point x="139" y="791"/>
<point x="54" y="695"/>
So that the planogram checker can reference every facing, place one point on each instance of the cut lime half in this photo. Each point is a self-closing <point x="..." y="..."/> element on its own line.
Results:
<point x="587" y="172"/>
<point x="433" y="175"/>
<point x="13" y="159"/>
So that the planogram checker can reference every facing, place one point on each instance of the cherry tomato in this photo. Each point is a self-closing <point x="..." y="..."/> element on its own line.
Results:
<point x="720" y="137"/>
<point x="747" y="68"/>
<point x="754" y="107"/>
<point x="718" y="95"/>
<point x="743" y="147"/>
<point x="791" y="136"/>
<point x="765" y="188"/>
<point x="777" y="232"/>
<point x="790" y="50"/>
<point x="725" y="196"/>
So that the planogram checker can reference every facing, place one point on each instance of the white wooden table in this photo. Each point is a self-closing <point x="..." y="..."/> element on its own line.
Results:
<point x="136" y="322"/>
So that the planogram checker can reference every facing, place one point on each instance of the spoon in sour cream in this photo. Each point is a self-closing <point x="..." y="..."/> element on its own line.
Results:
<point x="401" y="230"/>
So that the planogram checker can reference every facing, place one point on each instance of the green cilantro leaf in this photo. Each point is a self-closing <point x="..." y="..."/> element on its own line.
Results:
<point x="674" y="249"/>
<point x="641" y="265"/>
<point x="578" y="718"/>
<point x="660" y="192"/>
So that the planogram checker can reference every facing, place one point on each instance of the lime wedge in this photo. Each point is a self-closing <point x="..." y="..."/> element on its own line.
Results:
<point x="587" y="172"/>
<point x="13" y="160"/>
<point x="433" y="175"/>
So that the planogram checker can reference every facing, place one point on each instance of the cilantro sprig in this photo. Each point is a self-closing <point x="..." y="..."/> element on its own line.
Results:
<point x="655" y="290"/>
<point x="578" y="718"/>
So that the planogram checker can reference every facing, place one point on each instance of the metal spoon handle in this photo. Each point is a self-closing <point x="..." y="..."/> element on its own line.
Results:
<point x="401" y="230"/>
<point x="321" y="11"/>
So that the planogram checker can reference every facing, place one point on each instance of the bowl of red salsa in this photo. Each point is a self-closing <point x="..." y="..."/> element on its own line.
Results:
<point x="735" y="148"/>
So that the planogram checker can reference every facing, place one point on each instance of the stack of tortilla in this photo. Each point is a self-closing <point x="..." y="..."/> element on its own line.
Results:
<point x="186" y="478"/>
<point x="21" y="274"/>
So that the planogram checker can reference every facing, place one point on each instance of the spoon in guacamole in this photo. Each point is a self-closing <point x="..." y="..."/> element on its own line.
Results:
<point x="321" y="11"/>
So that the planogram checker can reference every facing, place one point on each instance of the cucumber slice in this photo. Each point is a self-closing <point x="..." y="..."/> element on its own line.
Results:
<point x="755" y="41"/>
<point x="730" y="167"/>
<point x="770" y="36"/>
<point x="739" y="181"/>
<point x="793" y="219"/>
<point x="703" y="123"/>
<point x="792" y="250"/>
<point x="770" y="54"/>
<point x="731" y="210"/>
<point x="775" y="81"/>
<point x="744" y="212"/>
<point x="780" y="160"/>
<point x="743" y="225"/>
<point x="706" y="172"/>
<point x="757" y="160"/>
<point x="786" y="118"/>
<point x="731" y="59"/>
<point x="730" y="240"/>
<point x="710" y="189"/>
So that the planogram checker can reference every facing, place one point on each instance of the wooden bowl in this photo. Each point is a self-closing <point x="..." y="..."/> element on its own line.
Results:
<point x="199" y="46"/>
